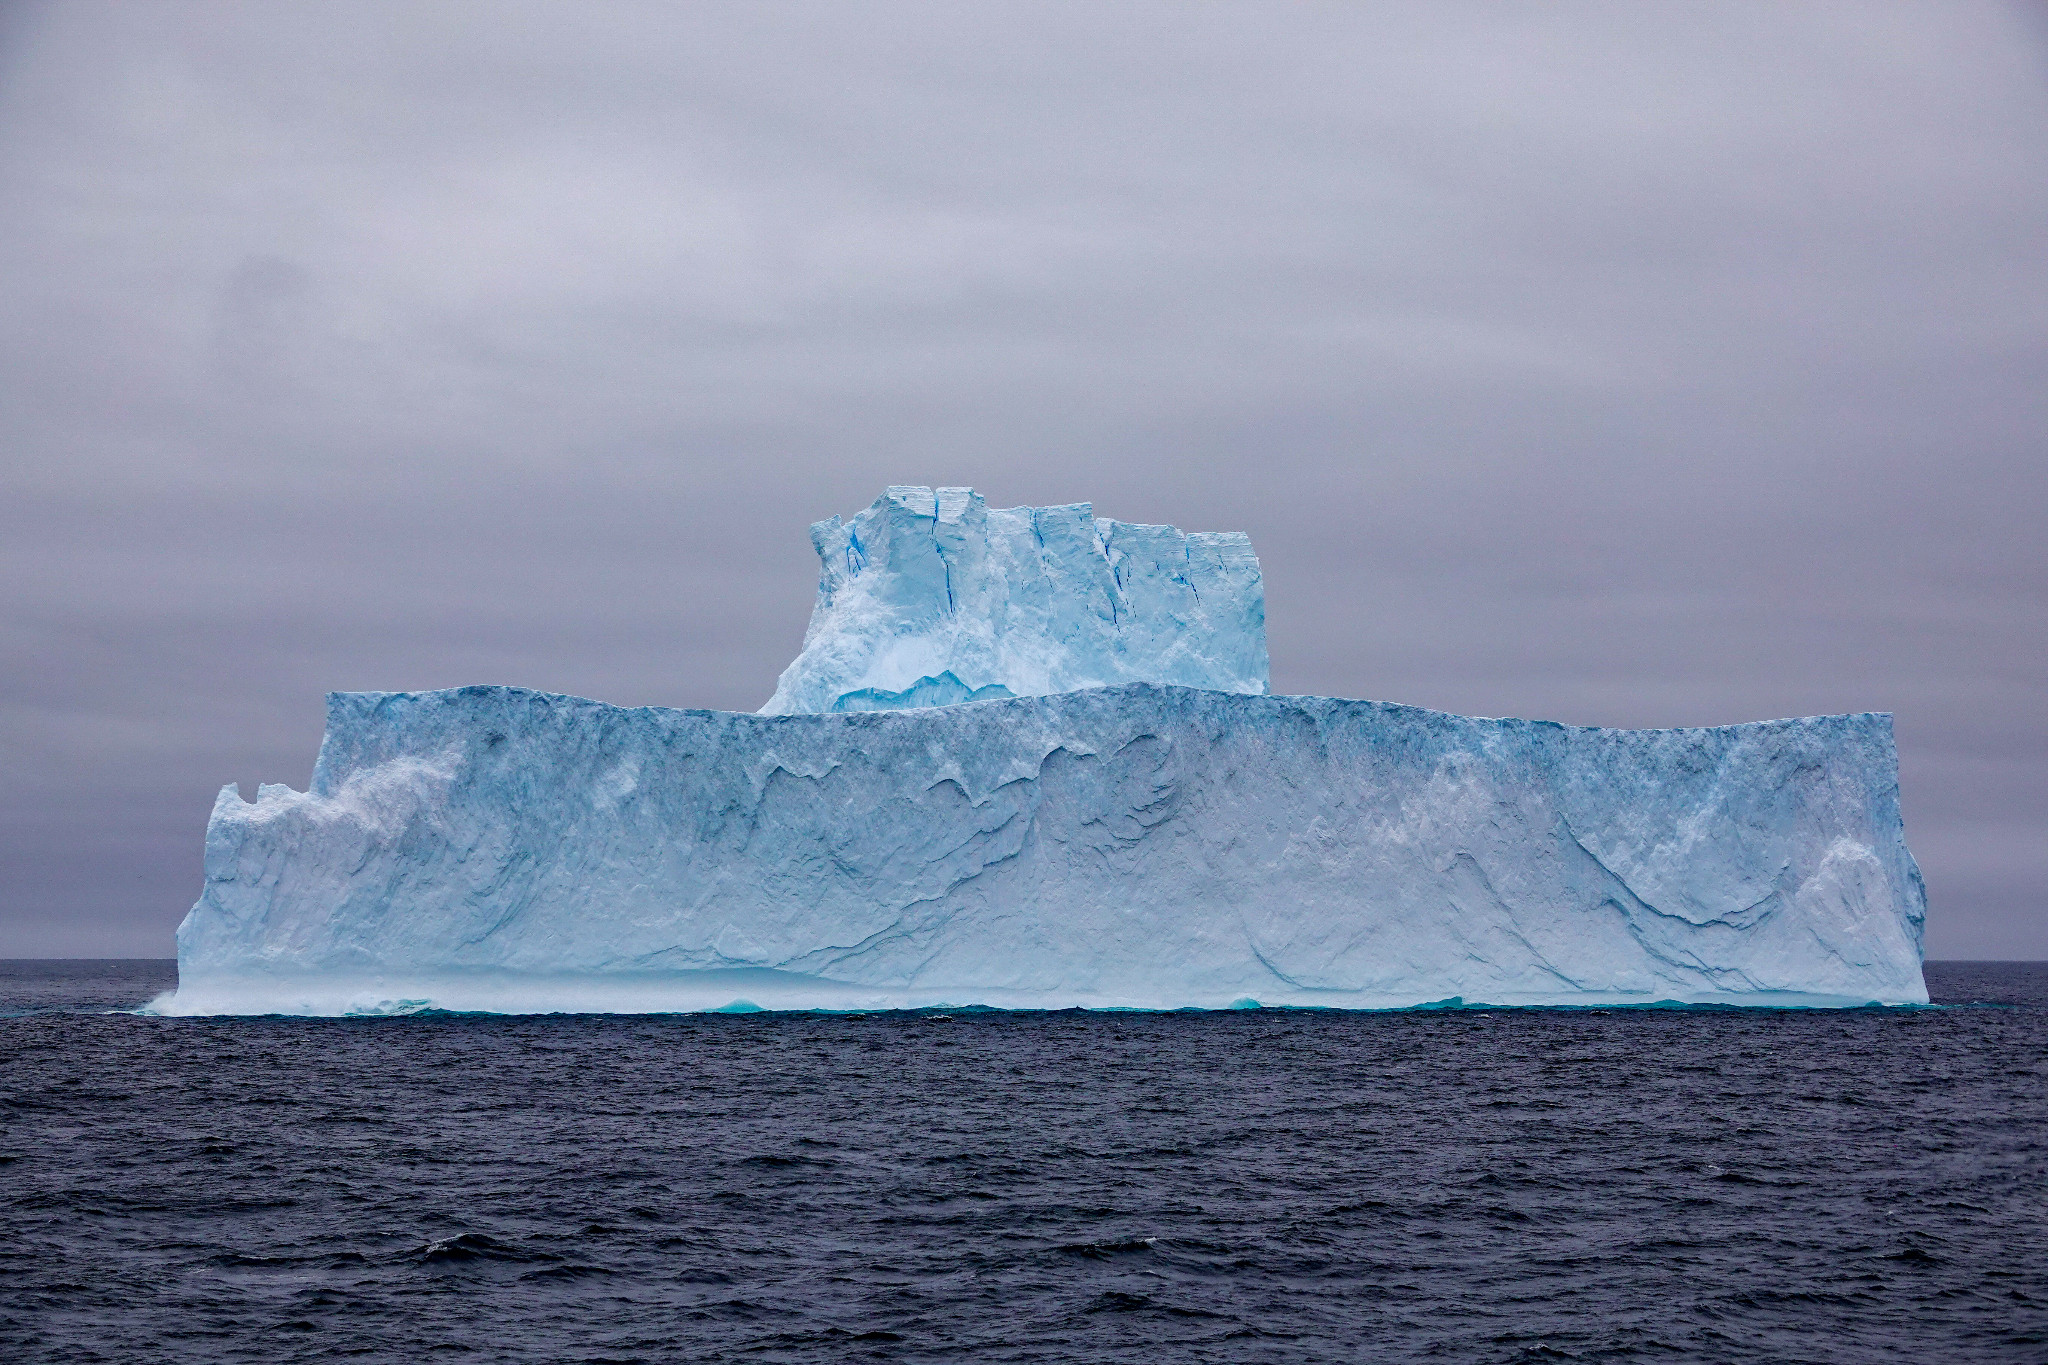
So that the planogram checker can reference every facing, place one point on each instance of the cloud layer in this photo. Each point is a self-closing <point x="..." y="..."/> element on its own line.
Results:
<point x="1615" y="364"/>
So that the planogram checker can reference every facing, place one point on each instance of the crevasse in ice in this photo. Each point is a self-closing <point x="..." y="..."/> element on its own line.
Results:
<point x="1107" y="842"/>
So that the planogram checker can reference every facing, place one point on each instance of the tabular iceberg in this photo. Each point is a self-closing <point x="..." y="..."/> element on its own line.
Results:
<point x="1140" y="844"/>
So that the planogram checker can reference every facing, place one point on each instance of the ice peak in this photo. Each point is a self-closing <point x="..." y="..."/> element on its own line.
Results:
<point x="930" y="597"/>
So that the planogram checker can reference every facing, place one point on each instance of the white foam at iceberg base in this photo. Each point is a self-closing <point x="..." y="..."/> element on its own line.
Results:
<point x="1158" y="847"/>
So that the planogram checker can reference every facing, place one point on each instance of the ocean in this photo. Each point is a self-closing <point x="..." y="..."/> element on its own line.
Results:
<point x="1477" y="1185"/>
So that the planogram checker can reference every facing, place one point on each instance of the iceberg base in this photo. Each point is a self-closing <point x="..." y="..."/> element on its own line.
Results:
<point x="748" y="991"/>
<point x="1134" y="847"/>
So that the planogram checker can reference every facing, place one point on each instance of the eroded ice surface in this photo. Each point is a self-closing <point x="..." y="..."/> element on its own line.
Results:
<point x="492" y="848"/>
<point x="931" y="597"/>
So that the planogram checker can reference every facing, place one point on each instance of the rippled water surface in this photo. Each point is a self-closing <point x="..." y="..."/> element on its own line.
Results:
<point x="1656" y="1185"/>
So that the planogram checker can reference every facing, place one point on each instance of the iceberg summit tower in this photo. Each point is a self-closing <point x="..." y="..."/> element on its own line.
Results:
<point x="930" y="597"/>
<point x="1027" y="758"/>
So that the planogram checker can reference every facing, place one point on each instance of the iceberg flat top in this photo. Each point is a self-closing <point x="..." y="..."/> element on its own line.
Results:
<point x="931" y="597"/>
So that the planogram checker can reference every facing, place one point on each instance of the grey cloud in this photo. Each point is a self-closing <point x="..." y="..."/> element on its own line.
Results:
<point x="1620" y="364"/>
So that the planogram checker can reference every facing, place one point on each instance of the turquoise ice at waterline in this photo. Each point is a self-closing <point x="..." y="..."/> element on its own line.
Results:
<point x="1027" y="759"/>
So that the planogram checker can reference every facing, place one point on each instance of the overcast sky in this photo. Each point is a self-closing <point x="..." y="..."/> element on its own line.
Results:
<point x="1625" y="365"/>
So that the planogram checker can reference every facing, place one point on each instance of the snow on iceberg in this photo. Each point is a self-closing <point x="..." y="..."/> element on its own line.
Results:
<point x="1155" y="846"/>
<point x="931" y="597"/>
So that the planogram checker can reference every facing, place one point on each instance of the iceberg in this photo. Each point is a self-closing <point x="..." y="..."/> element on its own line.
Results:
<point x="1081" y="838"/>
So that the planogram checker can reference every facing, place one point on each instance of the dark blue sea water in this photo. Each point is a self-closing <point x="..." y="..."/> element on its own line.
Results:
<point x="1541" y="1185"/>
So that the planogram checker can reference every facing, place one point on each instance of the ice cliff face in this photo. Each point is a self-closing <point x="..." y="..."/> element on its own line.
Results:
<point x="492" y="848"/>
<point x="931" y="597"/>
